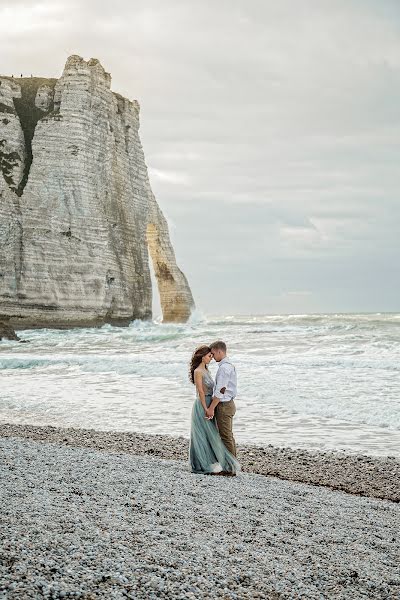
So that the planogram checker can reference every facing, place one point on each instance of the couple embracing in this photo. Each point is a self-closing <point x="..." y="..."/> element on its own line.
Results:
<point x="212" y="445"/>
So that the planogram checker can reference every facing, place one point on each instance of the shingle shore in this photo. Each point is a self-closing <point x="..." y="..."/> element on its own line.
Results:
<point x="90" y="524"/>
<point x="373" y="476"/>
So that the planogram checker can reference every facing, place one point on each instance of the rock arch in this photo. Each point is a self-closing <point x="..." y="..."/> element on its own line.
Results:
<point x="175" y="295"/>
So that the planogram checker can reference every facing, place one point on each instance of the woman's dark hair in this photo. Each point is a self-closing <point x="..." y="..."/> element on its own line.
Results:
<point x="196" y="360"/>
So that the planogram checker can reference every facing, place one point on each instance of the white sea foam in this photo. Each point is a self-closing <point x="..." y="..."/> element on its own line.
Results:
<point x="305" y="380"/>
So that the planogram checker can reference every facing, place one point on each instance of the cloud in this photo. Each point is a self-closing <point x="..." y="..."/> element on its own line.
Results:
<point x="271" y="131"/>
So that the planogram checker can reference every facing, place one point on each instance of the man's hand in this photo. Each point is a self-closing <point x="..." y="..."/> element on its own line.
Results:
<point x="209" y="413"/>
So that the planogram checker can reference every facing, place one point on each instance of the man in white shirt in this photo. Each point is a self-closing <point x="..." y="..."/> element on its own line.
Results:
<point x="225" y="390"/>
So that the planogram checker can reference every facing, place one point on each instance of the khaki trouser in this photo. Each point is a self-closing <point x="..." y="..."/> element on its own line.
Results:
<point x="224" y="413"/>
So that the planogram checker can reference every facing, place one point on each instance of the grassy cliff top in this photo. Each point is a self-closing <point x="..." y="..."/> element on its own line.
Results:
<point x="31" y="81"/>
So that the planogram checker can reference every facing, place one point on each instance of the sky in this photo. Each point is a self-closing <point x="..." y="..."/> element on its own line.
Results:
<point x="271" y="132"/>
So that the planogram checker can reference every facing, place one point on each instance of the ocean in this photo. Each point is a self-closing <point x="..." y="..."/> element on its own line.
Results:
<point x="327" y="382"/>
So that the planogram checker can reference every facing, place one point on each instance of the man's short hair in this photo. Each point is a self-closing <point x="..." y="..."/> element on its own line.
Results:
<point x="219" y="345"/>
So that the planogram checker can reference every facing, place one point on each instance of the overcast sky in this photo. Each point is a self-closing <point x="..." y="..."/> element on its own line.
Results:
<point x="271" y="131"/>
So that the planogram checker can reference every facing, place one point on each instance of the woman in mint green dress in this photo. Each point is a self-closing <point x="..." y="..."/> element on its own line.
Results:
<point x="207" y="453"/>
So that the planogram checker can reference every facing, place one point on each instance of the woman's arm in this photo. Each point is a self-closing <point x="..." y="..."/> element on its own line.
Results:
<point x="198" y="379"/>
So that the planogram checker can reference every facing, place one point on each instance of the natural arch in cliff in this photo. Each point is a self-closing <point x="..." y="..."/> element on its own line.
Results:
<point x="175" y="296"/>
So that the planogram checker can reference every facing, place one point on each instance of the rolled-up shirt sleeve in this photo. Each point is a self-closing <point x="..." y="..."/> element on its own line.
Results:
<point x="221" y="382"/>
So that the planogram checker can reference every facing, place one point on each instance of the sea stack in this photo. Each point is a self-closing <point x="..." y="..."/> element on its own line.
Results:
<point x="78" y="219"/>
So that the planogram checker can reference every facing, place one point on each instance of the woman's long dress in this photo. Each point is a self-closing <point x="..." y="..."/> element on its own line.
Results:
<point x="207" y="452"/>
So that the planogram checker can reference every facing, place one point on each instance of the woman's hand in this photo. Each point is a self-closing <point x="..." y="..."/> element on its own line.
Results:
<point x="209" y="413"/>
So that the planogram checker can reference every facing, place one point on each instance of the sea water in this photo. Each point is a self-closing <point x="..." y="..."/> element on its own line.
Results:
<point x="311" y="381"/>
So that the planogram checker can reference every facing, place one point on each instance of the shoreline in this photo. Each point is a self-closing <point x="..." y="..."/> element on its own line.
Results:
<point x="357" y="474"/>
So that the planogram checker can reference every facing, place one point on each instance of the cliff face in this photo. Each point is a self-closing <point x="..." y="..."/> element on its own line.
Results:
<point x="77" y="214"/>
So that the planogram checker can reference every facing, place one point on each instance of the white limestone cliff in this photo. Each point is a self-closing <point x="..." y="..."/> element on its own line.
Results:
<point x="77" y="214"/>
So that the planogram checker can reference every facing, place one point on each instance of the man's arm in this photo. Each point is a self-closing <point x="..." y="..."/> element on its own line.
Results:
<point x="220" y="388"/>
<point x="211" y="409"/>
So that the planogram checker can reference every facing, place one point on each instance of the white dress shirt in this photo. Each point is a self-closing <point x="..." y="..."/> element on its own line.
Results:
<point x="225" y="378"/>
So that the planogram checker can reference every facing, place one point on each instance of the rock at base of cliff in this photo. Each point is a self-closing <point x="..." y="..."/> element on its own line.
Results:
<point x="7" y="332"/>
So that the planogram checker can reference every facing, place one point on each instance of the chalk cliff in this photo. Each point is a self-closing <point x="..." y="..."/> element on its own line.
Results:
<point x="78" y="218"/>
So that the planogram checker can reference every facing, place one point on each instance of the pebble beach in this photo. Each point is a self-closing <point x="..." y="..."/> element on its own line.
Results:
<point x="106" y="515"/>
